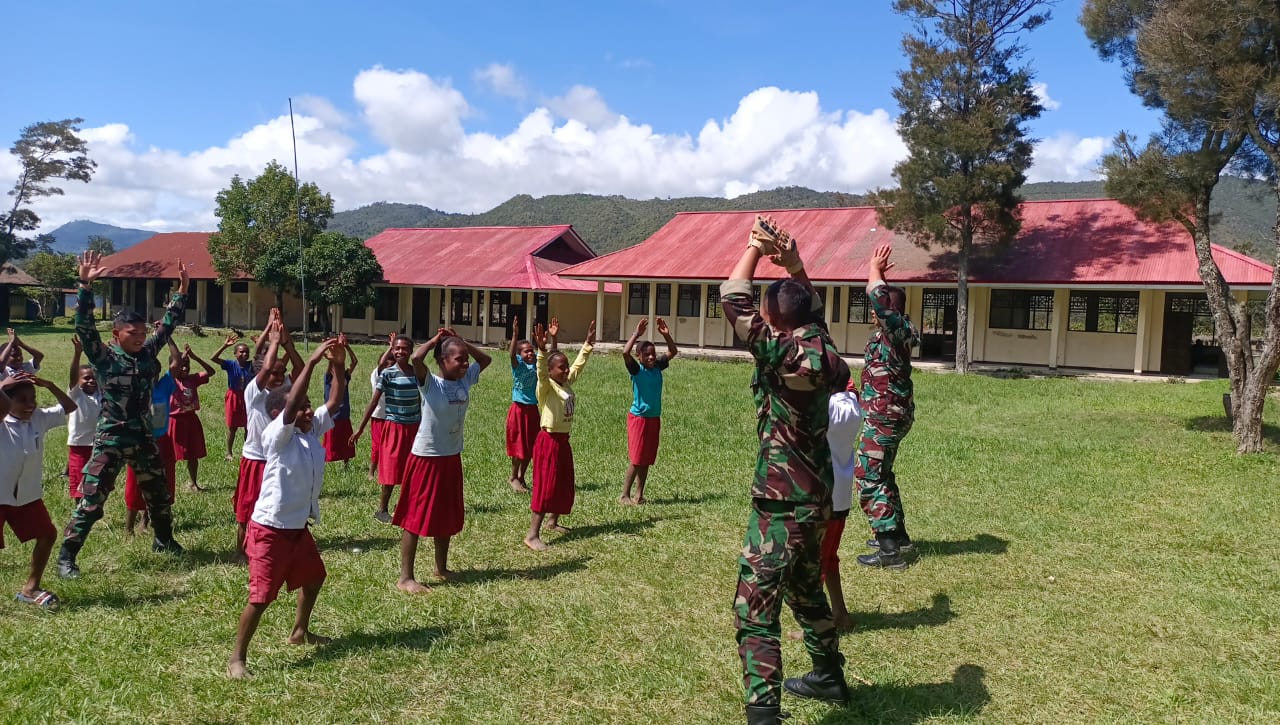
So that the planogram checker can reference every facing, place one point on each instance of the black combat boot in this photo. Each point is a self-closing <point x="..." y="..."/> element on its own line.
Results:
<point x="765" y="715"/>
<point x="888" y="554"/>
<point x="67" y="568"/>
<point x="826" y="681"/>
<point x="904" y="544"/>
<point x="164" y="543"/>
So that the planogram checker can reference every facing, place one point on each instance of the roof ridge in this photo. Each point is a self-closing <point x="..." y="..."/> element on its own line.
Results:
<point x="1240" y="255"/>
<point x="492" y="226"/>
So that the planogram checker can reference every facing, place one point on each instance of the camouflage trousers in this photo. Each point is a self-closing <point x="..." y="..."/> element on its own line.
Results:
<point x="877" y="483"/>
<point x="780" y="562"/>
<point x="108" y="457"/>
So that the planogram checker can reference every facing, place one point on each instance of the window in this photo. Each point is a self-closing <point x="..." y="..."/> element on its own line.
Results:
<point x="835" y="304"/>
<point x="1103" y="312"/>
<point x="714" y="310"/>
<point x="939" y="312"/>
<point x="1202" y="328"/>
<point x="139" y="296"/>
<point x="117" y="293"/>
<point x="1020" y="310"/>
<point x="162" y="289"/>
<point x="688" y="302"/>
<point x="239" y="287"/>
<point x="664" y="300"/>
<point x="386" y="304"/>
<point x="500" y="308"/>
<point x="860" y="312"/>
<point x="459" y="307"/>
<point x="638" y="299"/>
<point x="193" y="299"/>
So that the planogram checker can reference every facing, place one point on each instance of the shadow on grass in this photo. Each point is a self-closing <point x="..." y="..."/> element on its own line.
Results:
<point x="936" y="614"/>
<point x="1219" y="424"/>
<point x="629" y="528"/>
<point x="121" y="600"/>
<point x="418" y="638"/>
<point x="533" y="573"/>
<point x="980" y="544"/>
<point x="678" y="499"/>
<point x="965" y="695"/>
<point x="366" y="543"/>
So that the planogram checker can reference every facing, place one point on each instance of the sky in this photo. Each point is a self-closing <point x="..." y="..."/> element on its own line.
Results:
<point x="459" y="106"/>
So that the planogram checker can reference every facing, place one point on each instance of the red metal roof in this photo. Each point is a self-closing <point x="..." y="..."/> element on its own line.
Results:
<point x="1076" y="242"/>
<point x="157" y="258"/>
<point x="518" y="258"/>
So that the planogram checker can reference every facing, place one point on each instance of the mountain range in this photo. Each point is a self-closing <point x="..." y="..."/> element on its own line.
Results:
<point x="73" y="237"/>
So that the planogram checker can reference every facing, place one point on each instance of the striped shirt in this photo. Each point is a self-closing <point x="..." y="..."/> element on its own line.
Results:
<point x="400" y="391"/>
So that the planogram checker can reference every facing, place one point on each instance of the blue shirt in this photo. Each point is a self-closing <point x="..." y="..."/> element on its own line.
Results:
<point x="524" y="383"/>
<point x="164" y="388"/>
<point x="400" y="390"/>
<point x="344" y="410"/>
<point x="445" y="403"/>
<point x="238" y="375"/>
<point x="646" y="388"/>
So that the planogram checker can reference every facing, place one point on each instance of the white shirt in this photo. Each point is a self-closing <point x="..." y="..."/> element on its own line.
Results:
<point x="843" y="431"/>
<point x="295" y="469"/>
<point x="84" y="419"/>
<point x="257" y="418"/>
<point x="379" y="410"/>
<point x="22" y="455"/>
<point x="444" y="409"/>
<point x="26" y="367"/>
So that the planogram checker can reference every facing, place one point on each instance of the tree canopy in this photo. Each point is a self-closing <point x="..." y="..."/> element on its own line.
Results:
<point x="46" y="152"/>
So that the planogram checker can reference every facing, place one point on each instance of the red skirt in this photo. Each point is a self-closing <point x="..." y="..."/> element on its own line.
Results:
<point x="830" y="560"/>
<point x="642" y="439"/>
<point x="337" y="442"/>
<point x="237" y="415"/>
<point x="393" y="458"/>
<point x="248" y="486"/>
<point x="552" y="474"/>
<point x="431" y="497"/>
<point x="77" y="457"/>
<point x="376" y="427"/>
<point x="133" y="498"/>
<point x="187" y="435"/>
<point x="522" y="430"/>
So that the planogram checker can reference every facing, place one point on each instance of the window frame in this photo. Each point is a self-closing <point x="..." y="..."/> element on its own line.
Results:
<point x="1020" y="309"/>
<point x="386" y="297"/>
<point x="1091" y="304"/>
<point x="860" y="311"/>
<point x="695" y="298"/>
<point x="714" y="311"/>
<point x="663" y="295"/>
<point x="642" y="298"/>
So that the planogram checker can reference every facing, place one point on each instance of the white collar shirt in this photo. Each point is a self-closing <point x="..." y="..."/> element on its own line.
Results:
<point x="22" y="455"/>
<point x="295" y="469"/>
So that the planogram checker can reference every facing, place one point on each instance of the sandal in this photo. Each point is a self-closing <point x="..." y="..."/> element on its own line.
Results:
<point x="42" y="598"/>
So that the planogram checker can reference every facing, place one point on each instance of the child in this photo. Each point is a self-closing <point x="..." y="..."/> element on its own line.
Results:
<point x="337" y="442"/>
<point x="522" y="416"/>
<point x="431" y="497"/>
<point x="161" y="395"/>
<point x="279" y="544"/>
<point x="845" y="422"/>
<point x="379" y="420"/>
<point x="185" y="430"/>
<point x="82" y="388"/>
<point x="22" y="436"/>
<point x="552" y="457"/>
<point x="126" y="369"/>
<point x="398" y="385"/>
<point x="11" y="357"/>
<point x="644" y="420"/>
<point x="239" y="372"/>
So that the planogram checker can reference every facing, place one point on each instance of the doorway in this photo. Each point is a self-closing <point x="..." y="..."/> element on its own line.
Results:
<point x="1187" y="343"/>
<point x="423" y="326"/>
<point x="212" y="304"/>
<point x="938" y="325"/>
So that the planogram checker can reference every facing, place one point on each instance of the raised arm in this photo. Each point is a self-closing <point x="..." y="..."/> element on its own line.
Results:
<point x="351" y="356"/>
<point x="478" y="355"/>
<point x="665" y="331"/>
<point x="5" y="402"/>
<point x="74" y="379"/>
<point x="341" y="378"/>
<point x="68" y="405"/>
<point x="297" y="399"/>
<point x="584" y="354"/>
<point x="274" y="331"/>
<point x="191" y="355"/>
<point x="172" y="313"/>
<point x="217" y="356"/>
<point x="295" y="360"/>
<point x="36" y="356"/>
<point x="419" y="357"/>
<point x="7" y="346"/>
<point x="633" y="367"/>
<point x="553" y="332"/>
<point x="878" y="289"/>
<point x="515" y="335"/>
<point x="86" y="327"/>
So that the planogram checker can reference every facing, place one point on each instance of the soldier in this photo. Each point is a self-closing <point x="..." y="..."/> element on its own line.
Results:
<point x="889" y="407"/>
<point x="126" y="370"/>
<point x="797" y="370"/>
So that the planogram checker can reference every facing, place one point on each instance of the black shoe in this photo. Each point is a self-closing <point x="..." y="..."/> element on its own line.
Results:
<point x="826" y="682"/>
<point x="765" y="715"/>
<point x="888" y="555"/>
<point x="67" y="568"/>
<point x="167" y="547"/>
<point x="903" y="546"/>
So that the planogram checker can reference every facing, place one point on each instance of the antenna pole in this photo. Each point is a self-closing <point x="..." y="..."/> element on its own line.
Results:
<point x="297" y="199"/>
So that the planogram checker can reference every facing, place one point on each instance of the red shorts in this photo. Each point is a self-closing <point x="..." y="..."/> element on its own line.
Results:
<point x="553" y="488"/>
<point x="642" y="439"/>
<point x="431" y="497"/>
<point x="248" y="486"/>
<point x="187" y="435"/>
<point x="376" y="428"/>
<point x="28" y="521"/>
<point x="522" y="430"/>
<point x="237" y="415"/>
<point x="393" y="458"/>
<point x="337" y="442"/>
<point x="830" y="560"/>
<point x="280" y="556"/>
<point x="133" y="498"/>
<point x="77" y="458"/>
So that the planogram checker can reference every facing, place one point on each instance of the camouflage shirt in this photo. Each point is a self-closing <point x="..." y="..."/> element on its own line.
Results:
<point x="886" y="373"/>
<point x="125" y="380"/>
<point x="796" y="373"/>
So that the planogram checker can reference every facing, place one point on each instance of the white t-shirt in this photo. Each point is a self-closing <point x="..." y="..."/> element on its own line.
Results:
<point x="255" y="403"/>
<point x="379" y="410"/>
<point x="843" y="431"/>
<point x="84" y="419"/>
<point x="295" y="469"/>
<point x="26" y="367"/>
<point x="444" y="409"/>
<point x="22" y="455"/>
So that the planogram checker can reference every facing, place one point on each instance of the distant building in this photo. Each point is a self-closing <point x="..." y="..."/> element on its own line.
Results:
<point x="13" y="305"/>
<point x="1085" y="284"/>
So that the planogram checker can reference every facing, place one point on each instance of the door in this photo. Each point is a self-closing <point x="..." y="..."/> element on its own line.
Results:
<point x="423" y="325"/>
<point x="938" y="326"/>
<point x="238" y="307"/>
<point x="1175" y="343"/>
<point x="213" y="304"/>
<point x="540" y="306"/>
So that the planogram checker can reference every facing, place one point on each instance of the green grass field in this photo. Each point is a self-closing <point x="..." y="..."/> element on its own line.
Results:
<point x="1090" y="552"/>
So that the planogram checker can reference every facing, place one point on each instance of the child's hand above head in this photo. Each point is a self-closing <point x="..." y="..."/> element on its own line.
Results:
<point x="663" y="329"/>
<point x="75" y="344"/>
<point x="16" y="379"/>
<point x="338" y="353"/>
<point x="275" y="333"/>
<point x="553" y="330"/>
<point x="12" y="333"/>
<point x="591" y="333"/>
<point x="231" y="340"/>
<point x="324" y="350"/>
<point x="186" y="350"/>
<point x="540" y="337"/>
<point x="641" y="326"/>
<point x="880" y="258"/>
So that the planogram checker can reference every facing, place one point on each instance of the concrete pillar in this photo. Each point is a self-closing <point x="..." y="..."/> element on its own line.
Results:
<point x="253" y="319"/>
<point x="826" y="307"/>
<point x="1144" y="322"/>
<point x="151" y="298"/>
<point x="653" y="310"/>
<point x="600" y="310"/>
<point x="339" y="312"/>
<point x="226" y="304"/>
<point x="407" y="307"/>
<point x="702" y="318"/>
<point x="482" y="307"/>
<point x="448" y="307"/>
<point x="622" y="314"/>
<point x="527" y="298"/>
<point x="368" y="320"/>
<point x="203" y="286"/>
<point x="1058" y="324"/>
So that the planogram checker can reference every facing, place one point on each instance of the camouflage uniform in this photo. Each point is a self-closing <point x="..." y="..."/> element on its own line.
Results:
<point x="124" y="431"/>
<point x="796" y="373"/>
<point x="889" y="407"/>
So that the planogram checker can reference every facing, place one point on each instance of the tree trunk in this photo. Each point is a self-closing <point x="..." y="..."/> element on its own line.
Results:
<point x="1247" y="425"/>
<point x="962" y="304"/>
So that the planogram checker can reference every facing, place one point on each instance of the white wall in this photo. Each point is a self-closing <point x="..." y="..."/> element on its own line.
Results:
<point x="1029" y="347"/>
<point x="1100" y="350"/>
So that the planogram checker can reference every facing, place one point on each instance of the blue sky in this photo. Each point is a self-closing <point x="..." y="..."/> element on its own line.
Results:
<point x="439" y="103"/>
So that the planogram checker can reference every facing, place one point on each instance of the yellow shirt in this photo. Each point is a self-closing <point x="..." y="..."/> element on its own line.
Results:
<point x="556" y="402"/>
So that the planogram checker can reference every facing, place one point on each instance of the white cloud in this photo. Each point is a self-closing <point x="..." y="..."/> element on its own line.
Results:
<point x="570" y="144"/>
<point x="1042" y="92"/>
<point x="502" y="79"/>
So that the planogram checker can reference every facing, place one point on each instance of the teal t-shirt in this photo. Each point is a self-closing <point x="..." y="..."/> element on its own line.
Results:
<point x="646" y="388"/>
<point x="524" y="383"/>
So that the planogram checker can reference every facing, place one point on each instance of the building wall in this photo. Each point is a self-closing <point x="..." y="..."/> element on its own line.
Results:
<point x="1100" y="350"/>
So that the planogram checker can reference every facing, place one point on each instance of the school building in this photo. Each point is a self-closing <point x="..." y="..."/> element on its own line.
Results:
<point x="12" y="304"/>
<point x="1085" y="284"/>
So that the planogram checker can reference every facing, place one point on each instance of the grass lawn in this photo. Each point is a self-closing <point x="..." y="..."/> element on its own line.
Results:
<point x="1090" y="552"/>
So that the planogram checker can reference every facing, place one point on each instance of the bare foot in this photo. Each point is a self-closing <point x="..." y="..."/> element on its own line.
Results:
<point x="128" y="533"/>
<point x="517" y="485"/>
<point x="625" y="500"/>
<point x="641" y="500"/>
<point x="535" y="543"/>
<point x="447" y="575"/>
<point x="193" y="487"/>
<point x="559" y="529"/>
<point x="383" y="516"/>
<point x="229" y="457"/>
<point x="309" y="637"/>
<point x="844" y="623"/>
<point x="237" y="670"/>
<point x="412" y="586"/>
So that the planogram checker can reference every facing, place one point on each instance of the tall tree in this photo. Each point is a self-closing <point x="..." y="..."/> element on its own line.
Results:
<point x="340" y="269"/>
<point x="55" y="272"/>
<point x="261" y="224"/>
<point x="965" y="104"/>
<point x="1209" y="66"/>
<point x="102" y="245"/>
<point x="46" y="152"/>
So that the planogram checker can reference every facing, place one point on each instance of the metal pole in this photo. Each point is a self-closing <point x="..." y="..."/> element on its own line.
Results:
<point x="297" y="199"/>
